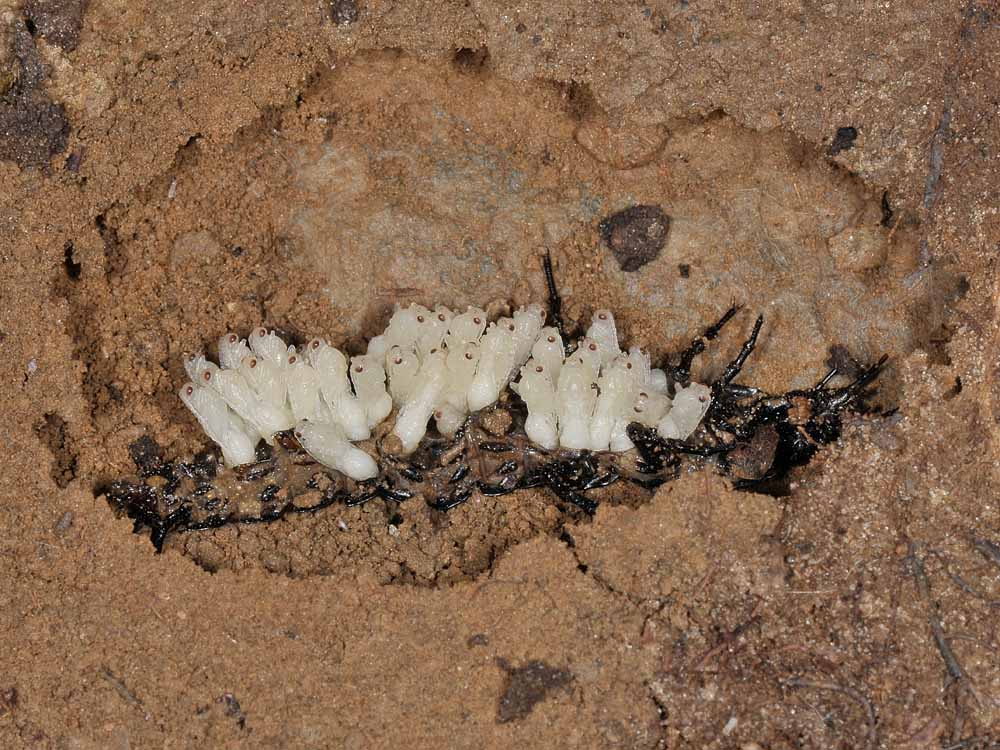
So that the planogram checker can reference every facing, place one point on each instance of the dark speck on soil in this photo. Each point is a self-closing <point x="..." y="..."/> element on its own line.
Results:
<point x="843" y="141"/>
<point x="527" y="686"/>
<point x="845" y="364"/>
<point x="65" y="523"/>
<point x="636" y="235"/>
<point x="8" y="700"/>
<point x="231" y="707"/>
<point x="468" y="60"/>
<point x="74" y="161"/>
<point x="887" y="212"/>
<point x="344" y="12"/>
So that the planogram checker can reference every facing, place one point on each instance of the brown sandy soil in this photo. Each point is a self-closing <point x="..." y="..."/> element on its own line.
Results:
<point x="171" y="171"/>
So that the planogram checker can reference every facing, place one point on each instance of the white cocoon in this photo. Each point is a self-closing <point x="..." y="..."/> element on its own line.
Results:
<point x="266" y="378"/>
<point x="496" y="356"/>
<point x="576" y="395"/>
<point x="466" y="327"/>
<point x="328" y="444"/>
<point x="617" y="395"/>
<point x="303" y="389"/>
<point x="220" y="424"/>
<point x="686" y="412"/>
<point x="605" y="334"/>
<point x="402" y="365"/>
<point x="265" y="418"/>
<point x="549" y="352"/>
<point x="539" y="394"/>
<point x="335" y="387"/>
<point x="460" y="364"/>
<point x="368" y="377"/>
<point x="411" y="423"/>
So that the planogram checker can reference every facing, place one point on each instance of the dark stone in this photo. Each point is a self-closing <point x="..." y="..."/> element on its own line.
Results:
<point x="843" y="141"/>
<point x="479" y="639"/>
<point x="32" y="130"/>
<point x="685" y="270"/>
<point x="32" y="127"/>
<point x="344" y="12"/>
<point x="527" y="686"/>
<point x="887" y="212"/>
<point x="636" y="235"/>
<point x="59" y="21"/>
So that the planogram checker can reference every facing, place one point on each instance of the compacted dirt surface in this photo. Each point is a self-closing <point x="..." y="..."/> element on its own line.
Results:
<point x="171" y="171"/>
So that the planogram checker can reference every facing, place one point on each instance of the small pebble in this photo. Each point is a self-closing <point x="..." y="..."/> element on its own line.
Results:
<point x="344" y="12"/>
<point x="636" y="235"/>
<point x="65" y="523"/>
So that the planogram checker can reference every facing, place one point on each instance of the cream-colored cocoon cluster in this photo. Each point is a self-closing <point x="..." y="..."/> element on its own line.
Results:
<point x="433" y="364"/>
<point x="587" y="400"/>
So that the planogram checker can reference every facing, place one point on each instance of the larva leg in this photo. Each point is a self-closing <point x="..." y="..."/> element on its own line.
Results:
<point x="734" y="367"/>
<point x="682" y="372"/>
<point x="555" y="301"/>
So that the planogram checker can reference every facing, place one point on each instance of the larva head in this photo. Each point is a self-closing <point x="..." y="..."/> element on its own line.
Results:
<point x="232" y="349"/>
<point x="604" y="333"/>
<point x="194" y="364"/>
<point x="207" y="373"/>
<point x="530" y="318"/>
<point x="528" y="321"/>
<point x="433" y="326"/>
<point x="548" y="346"/>
<point x="403" y="327"/>
<point x="534" y="374"/>
<point x="463" y="359"/>
<point x="187" y="394"/>
<point x="328" y="358"/>
<point x="420" y="313"/>
<point x="367" y="375"/>
<point x="313" y="348"/>
<point x="401" y="362"/>
<point x="641" y="364"/>
<point x="467" y="326"/>
<point x="588" y="354"/>
<point x="269" y="346"/>
<point x="443" y="316"/>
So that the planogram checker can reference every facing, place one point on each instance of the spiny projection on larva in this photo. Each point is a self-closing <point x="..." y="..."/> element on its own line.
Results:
<point x="445" y="404"/>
